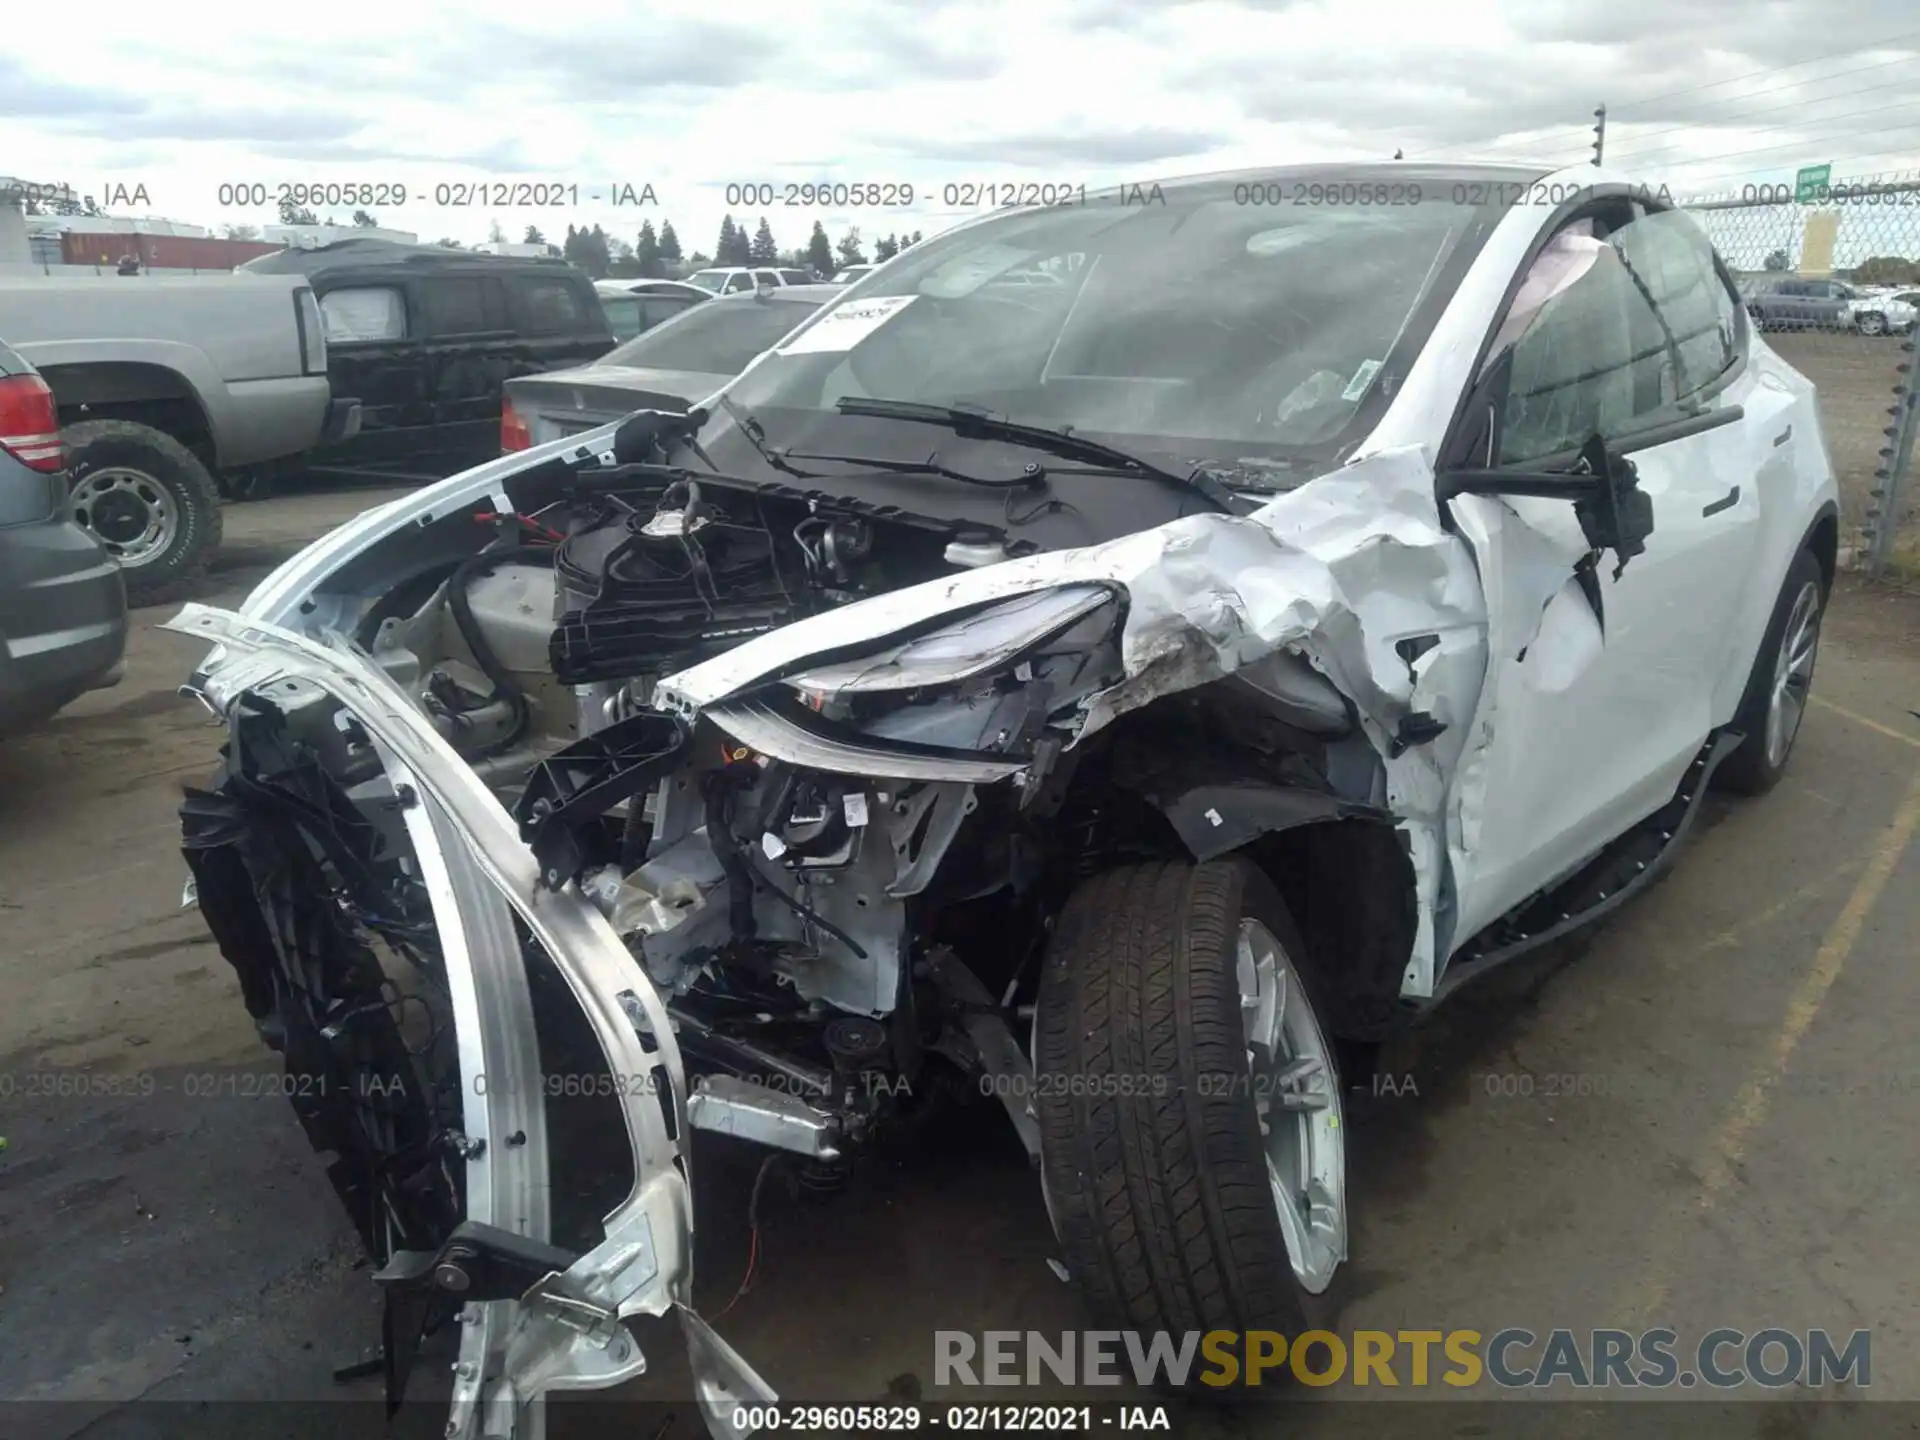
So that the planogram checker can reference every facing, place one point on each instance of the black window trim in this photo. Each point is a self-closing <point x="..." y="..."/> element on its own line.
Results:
<point x="428" y="335"/>
<point x="1653" y="428"/>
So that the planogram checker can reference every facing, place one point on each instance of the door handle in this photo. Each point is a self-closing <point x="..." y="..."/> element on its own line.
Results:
<point x="1782" y="438"/>
<point x="1725" y="502"/>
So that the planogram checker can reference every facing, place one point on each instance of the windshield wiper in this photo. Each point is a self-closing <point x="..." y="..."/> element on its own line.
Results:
<point x="975" y="424"/>
<point x="782" y="460"/>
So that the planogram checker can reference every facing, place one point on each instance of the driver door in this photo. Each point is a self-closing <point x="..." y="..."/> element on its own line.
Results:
<point x="1591" y="713"/>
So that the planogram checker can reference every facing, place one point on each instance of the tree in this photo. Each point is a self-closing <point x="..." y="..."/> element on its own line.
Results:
<point x="1777" y="261"/>
<point x="763" y="251"/>
<point x="723" y="247"/>
<point x="495" y="235"/>
<point x="647" y="252"/>
<point x="533" y="236"/>
<point x="820" y="251"/>
<point x="365" y="221"/>
<point x="447" y="242"/>
<point x="669" y="245"/>
<point x="914" y="241"/>
<point x="240" y="232"/>
<point x="292" y="214"/>
<point x="849" y="249"/>
<point x="1888" y="270"/>
<point x="885" y="248"/>
<point x="699" y="260"/>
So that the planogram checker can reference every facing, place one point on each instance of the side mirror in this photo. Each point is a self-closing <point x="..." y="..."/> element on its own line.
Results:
<point x="1603" y="485"/>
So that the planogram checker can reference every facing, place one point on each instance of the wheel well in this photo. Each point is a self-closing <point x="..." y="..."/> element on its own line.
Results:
<point x="150" y="395"/>
<point x="1824" y="542"/>
<point x="1345" y="873"/>
<point x="1349" y="885"/>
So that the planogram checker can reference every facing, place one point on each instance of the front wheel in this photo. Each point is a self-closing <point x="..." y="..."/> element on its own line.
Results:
<point x="148" y="499"/>
<point x="1873" y="323"/>
<point x="1192" y="1148"/>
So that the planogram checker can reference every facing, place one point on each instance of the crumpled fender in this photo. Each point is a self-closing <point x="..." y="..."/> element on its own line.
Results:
<point x="1340" y="570"/>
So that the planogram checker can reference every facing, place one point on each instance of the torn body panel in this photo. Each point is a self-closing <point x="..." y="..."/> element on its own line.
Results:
<point x="566" y="1333"/>
<point x="1343" y="572"/>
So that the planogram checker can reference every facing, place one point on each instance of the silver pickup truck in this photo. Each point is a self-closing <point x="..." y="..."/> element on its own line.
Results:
<point x="164" y="383"/>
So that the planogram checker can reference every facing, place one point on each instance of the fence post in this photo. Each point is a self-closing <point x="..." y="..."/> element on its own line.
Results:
<point x="1896" y="457"/>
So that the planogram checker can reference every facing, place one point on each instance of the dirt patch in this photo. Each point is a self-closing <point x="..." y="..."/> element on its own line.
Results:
<point x="1874" y="616"/>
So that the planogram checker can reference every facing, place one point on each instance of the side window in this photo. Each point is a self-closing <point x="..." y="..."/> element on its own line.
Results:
<point x="738" y="283"/>
<point x="453" y="305"/>
<point x="795" y="277"/>
<point x="655" y="308"/>
<point x="364" y="313"/>
<point x="623" y="315"/>
<point x="549" y="307"/>
<point x="1575" y="365"/>
<point x="1696" y="315"/>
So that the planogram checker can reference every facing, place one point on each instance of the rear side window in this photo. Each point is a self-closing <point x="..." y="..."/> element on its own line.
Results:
<point x="624" y="315"/>
<point x="713" y="339"/>
<point x="549" y="307"/>
<point x="655" y="308"/>
<point x="459" y="305"/>
<point x="795" y="277"/>
<point x="1698" y="316"/>
<point x="364" y="313"/>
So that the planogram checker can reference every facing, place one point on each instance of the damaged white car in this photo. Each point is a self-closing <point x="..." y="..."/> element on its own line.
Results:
<point x="1125" y="699"/>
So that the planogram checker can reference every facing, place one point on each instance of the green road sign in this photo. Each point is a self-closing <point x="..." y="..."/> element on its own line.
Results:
<point x="1808" y="182"/>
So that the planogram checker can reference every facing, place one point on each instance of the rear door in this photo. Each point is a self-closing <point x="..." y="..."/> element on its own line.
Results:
<point x="1591" y="716"/>
<point x="468" y="352"/>
<point x="372" y="326"/>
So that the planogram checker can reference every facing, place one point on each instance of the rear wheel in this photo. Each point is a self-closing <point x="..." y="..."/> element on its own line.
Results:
<point x="146" y="498"/>
<point x="1873" y="323"/>
<point x="1192" y="1145"/>
<point x="1780" y="684"/>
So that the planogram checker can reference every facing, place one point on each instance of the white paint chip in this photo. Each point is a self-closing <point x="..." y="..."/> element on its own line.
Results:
<point x="773" y="845"/>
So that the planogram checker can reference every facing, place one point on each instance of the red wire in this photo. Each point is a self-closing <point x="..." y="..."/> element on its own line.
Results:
<point x="753" y="1255"/>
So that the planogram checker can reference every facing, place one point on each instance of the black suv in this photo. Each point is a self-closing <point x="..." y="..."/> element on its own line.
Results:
<point x="425" y="336"/>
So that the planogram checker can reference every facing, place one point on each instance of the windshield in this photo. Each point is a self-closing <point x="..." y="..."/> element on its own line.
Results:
<point x="1204" y="324"/>
<point x="708" y="279"/>
<point x="716" y="337"/>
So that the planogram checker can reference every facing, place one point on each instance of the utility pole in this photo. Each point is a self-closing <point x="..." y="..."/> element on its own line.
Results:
<point x="1599" y="133"/>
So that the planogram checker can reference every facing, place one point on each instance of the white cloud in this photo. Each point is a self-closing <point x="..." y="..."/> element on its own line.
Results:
<point x="688" y="98"/>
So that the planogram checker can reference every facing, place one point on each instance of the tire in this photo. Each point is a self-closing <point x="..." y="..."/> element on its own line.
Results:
<point x="1161" y="1198"/>
<point x="1873" y="323"/>
<point x="1757" y="765"/>
<point x="149" y="500"/>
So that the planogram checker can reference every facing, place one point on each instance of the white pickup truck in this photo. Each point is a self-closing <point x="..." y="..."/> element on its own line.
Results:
<point x="164" y="383"/>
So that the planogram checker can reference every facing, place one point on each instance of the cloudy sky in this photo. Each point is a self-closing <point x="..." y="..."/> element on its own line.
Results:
<point x="690" y="97"/>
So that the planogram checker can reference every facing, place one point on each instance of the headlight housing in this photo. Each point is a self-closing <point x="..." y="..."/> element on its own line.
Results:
<point x="979" y="644"/>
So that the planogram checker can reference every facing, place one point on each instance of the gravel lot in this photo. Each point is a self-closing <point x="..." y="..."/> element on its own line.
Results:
<point x="1747" y="1158"/>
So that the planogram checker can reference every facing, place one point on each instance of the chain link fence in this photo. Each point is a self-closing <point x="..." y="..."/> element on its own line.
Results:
<point x="1831" y="276"/>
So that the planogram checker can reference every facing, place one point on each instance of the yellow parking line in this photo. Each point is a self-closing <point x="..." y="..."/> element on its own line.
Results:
<point x="1721" y="1159"/>
<point x="1854" y="715"/>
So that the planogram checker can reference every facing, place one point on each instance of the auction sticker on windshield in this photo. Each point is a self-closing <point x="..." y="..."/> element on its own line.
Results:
<point x="846" y="325"/>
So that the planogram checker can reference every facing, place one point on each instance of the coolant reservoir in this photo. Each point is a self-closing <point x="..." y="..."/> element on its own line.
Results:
<point x="974" y="548"/>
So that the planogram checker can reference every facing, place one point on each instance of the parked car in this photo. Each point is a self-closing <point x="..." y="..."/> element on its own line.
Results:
<point x="63" y="600"/>
<point x="630" y="312"/>
<point x="675" y="365"/>
<point x="1791" y="303"/>
<point x="1221" y="672"/>
<point x="425" y="337"/>
<point x="172" y="389"/>
<point x="739" y="279"/>
<point x="847" y="274"/>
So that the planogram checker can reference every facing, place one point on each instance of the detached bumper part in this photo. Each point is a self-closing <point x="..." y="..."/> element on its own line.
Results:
<point x="563" y="1330"/>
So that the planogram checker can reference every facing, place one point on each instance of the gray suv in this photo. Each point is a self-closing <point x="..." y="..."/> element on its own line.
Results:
<point x="1792" y="303"/>
<point x="63" y="604"/>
